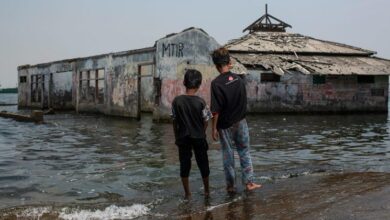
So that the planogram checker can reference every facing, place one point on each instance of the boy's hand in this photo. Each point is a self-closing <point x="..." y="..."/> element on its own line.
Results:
<point x="215" y="134"/>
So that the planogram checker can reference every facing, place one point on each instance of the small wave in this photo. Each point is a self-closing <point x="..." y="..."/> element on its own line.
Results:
<point x="37" y="212"/>
<point x="111" y="212"/>
<point x="210" y="208"/>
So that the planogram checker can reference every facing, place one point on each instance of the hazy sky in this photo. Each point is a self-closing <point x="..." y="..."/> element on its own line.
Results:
<point x="36" y="31"/>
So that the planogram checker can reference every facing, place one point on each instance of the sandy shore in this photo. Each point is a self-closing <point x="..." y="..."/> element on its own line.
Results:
<point x="335" y="196"/>
<point x="316" y="196"/>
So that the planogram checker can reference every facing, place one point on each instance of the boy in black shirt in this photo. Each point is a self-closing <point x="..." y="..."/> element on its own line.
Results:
<point x="190" y="115"/>
<point x="228" y="105"/>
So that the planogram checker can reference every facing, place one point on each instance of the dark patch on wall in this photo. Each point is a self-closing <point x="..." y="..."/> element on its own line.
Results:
<point x="61" y="99"/>
<point x="23" y="79"/>
<point x="319" y="79"/>
<point x="118" y="70"/>
<point x="377" y="92"/>
<point x="269" y="77"/>
<point x="157" y="89"/>
<point x="365" y="79"/>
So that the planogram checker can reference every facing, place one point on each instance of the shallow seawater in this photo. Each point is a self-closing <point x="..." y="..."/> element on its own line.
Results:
<point x="78" y="166"/>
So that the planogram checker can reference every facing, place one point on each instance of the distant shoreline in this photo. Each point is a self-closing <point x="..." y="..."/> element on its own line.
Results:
<point x="9" y="90"/>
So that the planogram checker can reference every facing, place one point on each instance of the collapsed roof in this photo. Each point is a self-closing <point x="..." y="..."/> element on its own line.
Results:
<point x="281" y="52"/>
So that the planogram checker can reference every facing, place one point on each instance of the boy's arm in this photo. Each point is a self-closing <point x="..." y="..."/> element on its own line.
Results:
<point x="174" y="122"/>
<point x="206" y="114"/>
<point x="175" y="128"/>
<point x="214" y="132"/>
<point x="216" y="103"/>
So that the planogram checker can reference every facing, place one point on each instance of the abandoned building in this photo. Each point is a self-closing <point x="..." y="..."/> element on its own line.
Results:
<point x="121" y="84"/>
<point x="294" y="73"/>
<point x="285" y="72"/>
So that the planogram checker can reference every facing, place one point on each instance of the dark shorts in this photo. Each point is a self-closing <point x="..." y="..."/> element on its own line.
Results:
<point x="200" y="147"/>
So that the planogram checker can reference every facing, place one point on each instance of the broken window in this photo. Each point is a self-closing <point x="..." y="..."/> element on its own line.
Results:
<point x="319" y="79"/>
<point x="100" y="86"/>
<point x="269" y="77"/>
<point x="33" y="88"/>
<point x="83" y="83"/>
<point x="146" y="70"/>
<point x="92" y="86"/>
<point x="36" y="88"/>
<point x="22" y="79"/>
<point x="365" y="79"/>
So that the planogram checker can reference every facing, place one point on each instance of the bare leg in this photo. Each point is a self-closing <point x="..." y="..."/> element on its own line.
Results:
<point x="186" y="187"/>
<point x="206" y="186"/>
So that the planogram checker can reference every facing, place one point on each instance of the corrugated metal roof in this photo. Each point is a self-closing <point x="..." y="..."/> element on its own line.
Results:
<point x="332" y="65"/>
<point x="289" y="43"/>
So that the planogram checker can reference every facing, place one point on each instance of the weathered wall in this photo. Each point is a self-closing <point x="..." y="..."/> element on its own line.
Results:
<point x="105" y="84"/>
<point x="174" y="54"/>
<point x="39" y="89"/>
<point x="23" y="88"/>
<point x="296" y="93"/>
<point x="123" y="83"/>
<point x="60" y="91"/>
<point x="148" y="91"/>
<point x="148" y="79"/>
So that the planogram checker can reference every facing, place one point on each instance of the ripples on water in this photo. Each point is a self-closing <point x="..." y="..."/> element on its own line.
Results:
<point x="107" y="163"/>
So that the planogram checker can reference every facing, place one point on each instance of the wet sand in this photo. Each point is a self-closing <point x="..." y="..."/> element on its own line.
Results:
<point x="334" y="196"/>
<point x="316" y="196"/>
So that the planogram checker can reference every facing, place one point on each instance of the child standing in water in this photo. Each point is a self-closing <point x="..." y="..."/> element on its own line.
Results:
<point x="228" y="104"/>
<point x="190" y="115"/>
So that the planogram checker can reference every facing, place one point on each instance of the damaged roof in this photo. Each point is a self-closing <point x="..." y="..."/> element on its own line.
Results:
<point x="283" y="52"/>
<point x="290" y="43"/>
<point x="330" y="65"/>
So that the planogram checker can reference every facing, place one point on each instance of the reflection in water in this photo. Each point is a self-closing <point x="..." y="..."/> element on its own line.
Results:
<point x="97" y="162"/>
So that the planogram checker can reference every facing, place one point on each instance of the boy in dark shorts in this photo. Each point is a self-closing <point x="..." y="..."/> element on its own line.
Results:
<point x="228" y="105"/>
<point x="190" y="115"/>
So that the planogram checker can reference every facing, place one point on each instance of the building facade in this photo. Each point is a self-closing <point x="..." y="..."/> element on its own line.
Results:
<point x="284" y="72"/>
<point x="120" y="84"/>
<point x="290" y="72"/>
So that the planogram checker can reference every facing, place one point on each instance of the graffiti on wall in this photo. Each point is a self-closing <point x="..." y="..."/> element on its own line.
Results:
<point x="172" y="50"/>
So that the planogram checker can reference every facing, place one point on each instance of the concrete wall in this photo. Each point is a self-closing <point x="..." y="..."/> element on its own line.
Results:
<point x="47" y="85"/>
<point x="122" y="83"/>
<point x="24" y="88"/>
<point x="296" y="93"/>
<point x="148" y="90"/>
<point x="105" y="84"/>
<point x="175" y="54"/>
<point x="126" y="83"/>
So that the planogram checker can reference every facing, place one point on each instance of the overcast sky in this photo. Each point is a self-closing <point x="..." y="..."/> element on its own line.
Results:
<point x="36" y="31"/>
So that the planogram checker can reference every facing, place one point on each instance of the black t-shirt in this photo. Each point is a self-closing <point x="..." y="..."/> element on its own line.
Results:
<point x="228" y="99"/>
<point x="189" y="113"/>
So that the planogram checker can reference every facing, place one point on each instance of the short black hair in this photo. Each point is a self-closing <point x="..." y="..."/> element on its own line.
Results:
<point x="192" y="79"/>
<point x="221" y="57"/>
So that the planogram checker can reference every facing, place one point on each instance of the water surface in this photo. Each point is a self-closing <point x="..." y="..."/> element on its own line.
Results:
<point x="80" y="166"/>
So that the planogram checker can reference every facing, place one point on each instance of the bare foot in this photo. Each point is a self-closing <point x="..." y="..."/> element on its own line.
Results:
<point x="231" y="189"/>
<point x="252" y="186"/>
<point x="187" y="196"/>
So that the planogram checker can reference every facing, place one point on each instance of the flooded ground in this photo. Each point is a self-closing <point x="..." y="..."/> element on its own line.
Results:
<point x="95" y="167"/>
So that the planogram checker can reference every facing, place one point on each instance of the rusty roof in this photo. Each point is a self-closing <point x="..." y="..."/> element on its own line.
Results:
<point x="291" y="43"/>
<point x="332" y="65"/>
